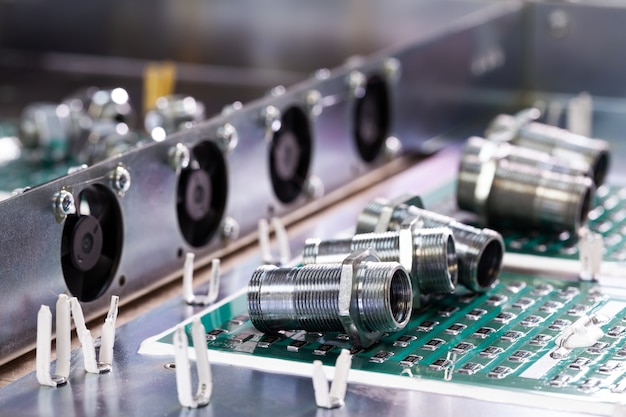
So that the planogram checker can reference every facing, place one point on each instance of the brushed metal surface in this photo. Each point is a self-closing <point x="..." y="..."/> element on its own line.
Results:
<point x="437" y="91"/>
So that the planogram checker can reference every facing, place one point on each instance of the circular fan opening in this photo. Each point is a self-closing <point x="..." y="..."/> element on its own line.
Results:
<point x="91" y="245"/>
<point x="290" y="155"/>
<point x="372" y="119"/>
<point x="202" y="192"/>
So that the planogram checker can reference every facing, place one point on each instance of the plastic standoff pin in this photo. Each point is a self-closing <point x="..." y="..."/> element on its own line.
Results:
<point x="333" y="397"/>
<point x="214" y="282"/>
<point x="183" y="372"/>
<point x="284" y="252"/>
<point x="590" y="250"/>
<point x="44" y="335"/>
<point x="92" y="365"/>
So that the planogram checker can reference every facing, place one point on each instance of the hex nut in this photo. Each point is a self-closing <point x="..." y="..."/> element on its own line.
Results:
<point x="349" y="313"/>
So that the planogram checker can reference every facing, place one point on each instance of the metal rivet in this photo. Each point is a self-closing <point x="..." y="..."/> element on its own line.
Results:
<point x="120" y="180"/>
<point x="64" y="204"/>
<point x="228" y="137"/>
<point x="179" y="156"/>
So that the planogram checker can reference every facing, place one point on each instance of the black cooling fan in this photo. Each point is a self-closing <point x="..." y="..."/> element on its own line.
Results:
<point x="202" y="192"/>
<point x="372" y="119"/>
<point x="92" y="243"/>
<point x="290" y="155"/>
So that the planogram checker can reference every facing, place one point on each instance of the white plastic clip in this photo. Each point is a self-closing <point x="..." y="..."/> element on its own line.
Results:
<point x="580" y="114"/>
<point x="108" y="332"/>
<point x="584" y="332"/>
<point x="214" y="283"/>
<point x="591" y="250"/>
<point x="86" y="340"/>
<point x="183" y="372"/>
<point x="333" y="397"/>
<point x="44" y="336"/>
<point x="284" y="251"/>
<point x="555" y="110"/>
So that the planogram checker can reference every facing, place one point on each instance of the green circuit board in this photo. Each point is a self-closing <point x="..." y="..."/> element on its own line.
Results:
<point x="499" y="339"/>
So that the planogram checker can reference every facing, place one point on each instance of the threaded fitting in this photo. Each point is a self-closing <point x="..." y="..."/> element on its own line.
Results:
<point x="527" y="156"/>
<point x="361" y="296"/>
<point x="479" y="251"/>
<point x="555" y="141"/>
<point x="517" y="195"/>
<point x="428" y="254"/>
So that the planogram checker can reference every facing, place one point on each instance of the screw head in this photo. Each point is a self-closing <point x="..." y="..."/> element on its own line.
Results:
<point x="179" y="156"/>
<point x="313" y="187"/>
<point x="392" y="147"/>
<point x="230" y="229"/>
<point x="357" y="82"/>
<point x="228" y="137"/>
<point x="393" y="69"/>
<point x="63" y="204"/>
<point x="314" y="104"/>
<point x="271" y="118"/>
<point x="120" y="180"/>
<point x="322" y="74"/>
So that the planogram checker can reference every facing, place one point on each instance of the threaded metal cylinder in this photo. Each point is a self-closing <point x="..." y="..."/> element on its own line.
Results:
<point x="558" y="142"/>
<point x="428" y="255"/>
<point x="308" y="297"/>
<point x="527" y="156"/>
<point x="521" y="196"/>
<point x="436" y="263"/>
<point x="479" y="251"/>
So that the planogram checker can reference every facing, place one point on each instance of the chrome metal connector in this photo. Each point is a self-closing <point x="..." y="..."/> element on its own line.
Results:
<point x="525" y="132"/>
<point x="360" y="296"/>
<point x="479" y="251"/>
<point x="527" y="156"/>
<point x="510" y="194"/>
<point x="429" y="255"/>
